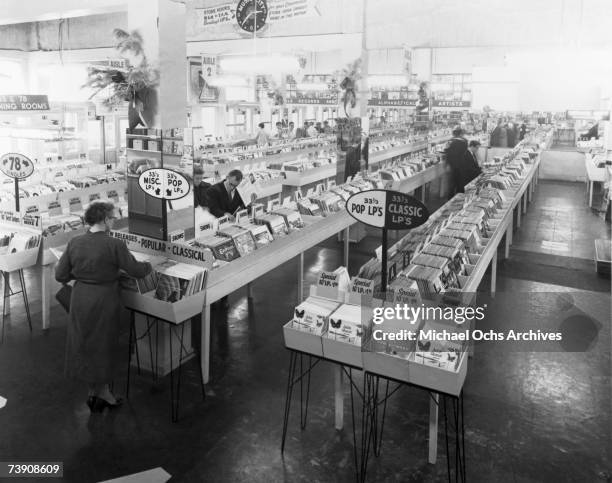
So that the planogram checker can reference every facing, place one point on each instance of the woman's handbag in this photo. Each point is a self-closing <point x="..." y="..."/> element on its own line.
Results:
<point x="63" y="297"/>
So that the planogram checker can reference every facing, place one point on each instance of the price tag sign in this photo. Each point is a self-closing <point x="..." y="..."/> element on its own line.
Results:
<point x="16" y="165"/>
<point x="176" y="236"/>
<point x="164" y="183"/>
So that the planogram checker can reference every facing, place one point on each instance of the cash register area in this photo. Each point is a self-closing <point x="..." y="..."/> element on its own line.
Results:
<point x="553" y="404"/>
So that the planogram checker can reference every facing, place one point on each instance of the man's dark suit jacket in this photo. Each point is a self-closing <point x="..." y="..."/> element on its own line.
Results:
<point x="199" y="194"/>
<point x="219" y="202"/>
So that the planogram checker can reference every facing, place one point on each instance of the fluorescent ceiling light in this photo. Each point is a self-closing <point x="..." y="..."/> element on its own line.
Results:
<point x="228" y="81"/>
<point x="259" y="64"/>
<point x="388" y="80"/>
<point x="312" y="86"/>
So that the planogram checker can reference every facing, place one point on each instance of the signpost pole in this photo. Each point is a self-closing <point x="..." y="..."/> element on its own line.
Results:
<point x="383" y="273"/>
<point x="16" y="195"/>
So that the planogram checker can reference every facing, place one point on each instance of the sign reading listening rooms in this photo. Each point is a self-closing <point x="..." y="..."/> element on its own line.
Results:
<point x="24" y="103"/>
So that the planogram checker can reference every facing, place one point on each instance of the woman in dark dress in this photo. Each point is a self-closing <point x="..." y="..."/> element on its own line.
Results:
<point x="94" y="260"/>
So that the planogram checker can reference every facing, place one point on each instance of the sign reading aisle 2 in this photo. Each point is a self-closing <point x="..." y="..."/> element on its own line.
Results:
<point x="387" y="209"/>
<point x="16" y="165"/>
<point x="163" y="183"/>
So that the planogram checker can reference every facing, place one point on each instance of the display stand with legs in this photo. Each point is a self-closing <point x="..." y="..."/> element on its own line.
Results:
<point x="176" y="331"/>
<point x="8" y="293"/>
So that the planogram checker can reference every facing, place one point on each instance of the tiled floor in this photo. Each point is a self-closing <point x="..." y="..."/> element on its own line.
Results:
<point x="559" y="222"/>
<point x="531" y="417"/>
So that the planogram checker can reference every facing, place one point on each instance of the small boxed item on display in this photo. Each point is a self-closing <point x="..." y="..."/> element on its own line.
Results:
<point x="432" y="351"/>
<point x="313" y="314"/>
<point x="223" y="248"/>
<point x="243" y="238"/>
<point x="275" y="223"/>
<point x="292" y="218"/>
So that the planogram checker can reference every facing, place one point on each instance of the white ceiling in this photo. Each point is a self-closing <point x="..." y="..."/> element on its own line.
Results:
<point x="21" y="11"/>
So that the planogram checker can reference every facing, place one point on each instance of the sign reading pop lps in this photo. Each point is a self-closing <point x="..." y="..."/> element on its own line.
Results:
<point x="387" y="209"/>
<point x="24" y="103"/>
<point x="163" y="183"/>
<point x="16" y="165"/>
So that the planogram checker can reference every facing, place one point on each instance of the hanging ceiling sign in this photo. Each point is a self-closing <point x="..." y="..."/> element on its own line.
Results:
<point x="330" y="100"/>
<point x="24" y="103"/>
<point x="392" y="102"/>
<point x="16" y="165"/>
<point x="163" y="184"/>
<point x="437" y="103"/>
<point x="253" y="15"/>
<point x="387" y="209"/>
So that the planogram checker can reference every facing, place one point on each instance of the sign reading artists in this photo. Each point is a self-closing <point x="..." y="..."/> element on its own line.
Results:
<point x="389" y="210"/>
<point x="164" y="183"/>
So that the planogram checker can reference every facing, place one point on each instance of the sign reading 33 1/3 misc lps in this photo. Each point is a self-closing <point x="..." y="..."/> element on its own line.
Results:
<point x="164" y="183"/>
<point x="16" y="165"/>
<point x="387" y="209"/>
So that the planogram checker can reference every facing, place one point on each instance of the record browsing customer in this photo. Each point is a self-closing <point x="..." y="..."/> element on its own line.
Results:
<point x="199" y="188"/>
<point x="95" y="260"/>
<point x="223" y="198"/>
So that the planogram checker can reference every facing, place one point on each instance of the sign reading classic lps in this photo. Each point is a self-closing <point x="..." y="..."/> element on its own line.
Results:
<point x="163" y="183"/>
<point x="24" y="103"/>
<point x="387" y="209"/>
<point x="16" y="165"/>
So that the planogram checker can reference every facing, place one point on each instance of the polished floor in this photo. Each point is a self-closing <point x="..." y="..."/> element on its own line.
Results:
<point x="531" y="416"/>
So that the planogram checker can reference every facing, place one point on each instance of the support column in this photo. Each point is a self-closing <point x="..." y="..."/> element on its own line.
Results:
<point x="339" y="396"/>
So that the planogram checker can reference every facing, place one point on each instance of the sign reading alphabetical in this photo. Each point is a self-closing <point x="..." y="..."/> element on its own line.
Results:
<point x="16" y="165"/>
<point x="387" y="209"/>
<point x="164" y="183"/>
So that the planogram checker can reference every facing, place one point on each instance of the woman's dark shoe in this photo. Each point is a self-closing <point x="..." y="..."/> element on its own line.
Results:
<point x="91" y="403"/>
<point x="101" y="404"/>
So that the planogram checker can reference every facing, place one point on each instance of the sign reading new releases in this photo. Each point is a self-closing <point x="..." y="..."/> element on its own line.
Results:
<point x="387" y="209"/>
<point x="16" y="165"/>
<point x="164" y="183"/>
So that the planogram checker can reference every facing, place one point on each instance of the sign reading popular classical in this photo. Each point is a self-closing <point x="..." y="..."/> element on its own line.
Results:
<point x="387" y="209"/>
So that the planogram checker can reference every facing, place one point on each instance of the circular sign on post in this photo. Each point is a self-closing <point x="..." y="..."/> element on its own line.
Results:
<point x="164" y="183"/>
<point x="387" y="209"/>
<point x="16" y="165"/>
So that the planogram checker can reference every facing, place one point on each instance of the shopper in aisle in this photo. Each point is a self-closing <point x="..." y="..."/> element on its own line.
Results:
<point x="499" y="136"/>
<point x="522" y="131"/>
<point x="94" y="261"/>
<point x="262" y="138"/>
<point x="469" y="168"/>
<point x="278" y="133"/>
<point x="311" y="131"/>
<point x="199" y="188"/>
<point x="455" y="153"/>
<point x="223" y="198"/>
<point x="291" y="134"/>
<point x="327" y="129"/>
<point x="511" y="134"/>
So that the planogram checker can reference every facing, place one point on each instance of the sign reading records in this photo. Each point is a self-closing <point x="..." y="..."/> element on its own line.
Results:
<point x="387" y="209"/>
<point x="16" y="165"/>
<point x="163" y="183"/>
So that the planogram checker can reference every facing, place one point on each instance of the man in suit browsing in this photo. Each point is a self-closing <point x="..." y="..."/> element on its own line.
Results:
<point x="223" y="197"/>
<point x="469" y="167"/>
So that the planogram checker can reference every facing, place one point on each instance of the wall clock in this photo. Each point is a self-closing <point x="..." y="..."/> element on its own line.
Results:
<point x="251" y="15"/>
